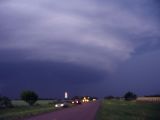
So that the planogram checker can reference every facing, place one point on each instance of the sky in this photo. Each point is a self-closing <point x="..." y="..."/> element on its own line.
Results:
<point x="85" y="47"/>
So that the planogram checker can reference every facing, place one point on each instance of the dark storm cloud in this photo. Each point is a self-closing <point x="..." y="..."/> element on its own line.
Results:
<point x="68" y="73"/>
<point x="11" y="55"/>
<point x="40" y="27"/>
<point x="38" y="76"/>
<point x="148" y="46"/>
<point x="93" y="37"/>
<point x="140" y="74"/>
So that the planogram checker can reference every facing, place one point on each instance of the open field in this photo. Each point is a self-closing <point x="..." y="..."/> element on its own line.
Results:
<point x="125" y="110"/>
<point x="22" y="109"/>
<point x="39" y="102"/>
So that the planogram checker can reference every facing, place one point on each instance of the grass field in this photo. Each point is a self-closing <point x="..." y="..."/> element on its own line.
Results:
<point x="23" y="103"/>
<point x="124" y="110"/>
<point x="21" y="109"/>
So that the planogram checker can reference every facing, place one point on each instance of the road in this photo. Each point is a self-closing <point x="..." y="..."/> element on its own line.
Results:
<point x="85" y="111"/>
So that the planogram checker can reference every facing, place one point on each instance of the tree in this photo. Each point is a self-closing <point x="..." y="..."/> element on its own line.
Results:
<point x="29" y="96"/>
<point x="130" y="96"/>
<point x="5" y="102"/>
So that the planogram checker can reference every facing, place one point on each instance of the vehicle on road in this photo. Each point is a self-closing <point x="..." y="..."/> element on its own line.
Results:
<point x="76" y="102"/>
<point x="61" y="104"/>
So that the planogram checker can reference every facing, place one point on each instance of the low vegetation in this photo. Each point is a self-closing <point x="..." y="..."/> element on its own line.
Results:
<point x="5" y="102"/>
<point x="128" y="110"/>
<point x="21" y="109"/>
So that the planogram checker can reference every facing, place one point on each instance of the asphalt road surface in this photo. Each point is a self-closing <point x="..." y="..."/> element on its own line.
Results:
<point x="85" y="111"/>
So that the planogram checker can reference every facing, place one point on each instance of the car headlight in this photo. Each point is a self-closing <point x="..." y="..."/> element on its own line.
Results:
<point x="62" y="105"/>
<point x="56" y="105"/>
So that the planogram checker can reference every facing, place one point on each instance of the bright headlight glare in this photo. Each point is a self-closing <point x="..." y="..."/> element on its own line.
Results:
<point x="62" y="105"/>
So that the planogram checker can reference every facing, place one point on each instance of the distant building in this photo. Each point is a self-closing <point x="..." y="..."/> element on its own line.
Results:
<point x="66" y="95"/>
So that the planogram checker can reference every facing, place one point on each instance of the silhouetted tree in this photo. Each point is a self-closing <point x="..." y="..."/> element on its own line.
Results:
<point x="29" y="96"/>
<point x="130" y="96"/>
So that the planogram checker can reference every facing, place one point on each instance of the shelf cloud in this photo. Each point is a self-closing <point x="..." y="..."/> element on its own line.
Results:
<point x="100" y="34"/>
<point x="96" y="33"/>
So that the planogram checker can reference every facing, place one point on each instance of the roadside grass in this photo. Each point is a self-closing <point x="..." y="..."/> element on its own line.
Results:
<point x="21" y="109"/>
<point x="128" y="110"/>
<point x="39" y="102"/>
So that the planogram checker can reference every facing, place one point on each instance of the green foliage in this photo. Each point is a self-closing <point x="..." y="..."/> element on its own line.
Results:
<point x="128" y="110"/>
<point x="5" y="102"/>
<point x="29" y="96"/>
<point x="20" y="112"/>
<point x="130" y="96"/>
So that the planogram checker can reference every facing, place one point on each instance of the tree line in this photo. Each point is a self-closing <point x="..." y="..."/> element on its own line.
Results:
<point x="29" y="97"/>
<point x="127" y="96"/>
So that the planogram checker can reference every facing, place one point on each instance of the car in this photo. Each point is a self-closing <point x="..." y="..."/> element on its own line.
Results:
<point x="61" y="104"/>
<point x="76" y="102"/>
